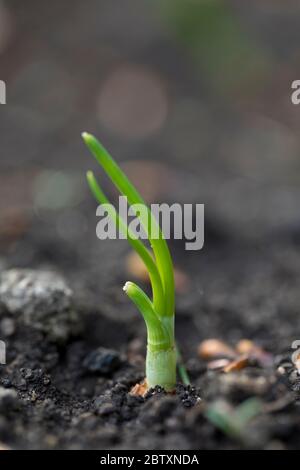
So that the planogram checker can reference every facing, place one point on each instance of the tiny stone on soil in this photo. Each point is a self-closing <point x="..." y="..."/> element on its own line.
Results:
<point x="106" y="409"/>
<point x="102" y="361"/>
<point x="7" y="327"/>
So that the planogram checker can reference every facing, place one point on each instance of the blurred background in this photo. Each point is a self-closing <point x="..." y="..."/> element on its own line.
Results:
<point x="193" y="97"/>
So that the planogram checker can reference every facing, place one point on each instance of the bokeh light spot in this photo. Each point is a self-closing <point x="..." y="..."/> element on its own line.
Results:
<point x="133" y="102"/>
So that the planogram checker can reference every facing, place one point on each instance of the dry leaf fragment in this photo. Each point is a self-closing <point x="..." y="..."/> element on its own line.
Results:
<point x="228" y="359"/>
<point x="214" y="348"/>
<point x="239" y="364"/>
<point x="139" y="390"/>
<point x="218" y="364"/>
<point x="246" y="346"/>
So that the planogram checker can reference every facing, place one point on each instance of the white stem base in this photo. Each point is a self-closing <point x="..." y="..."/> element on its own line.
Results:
<point x="161" y="368"/>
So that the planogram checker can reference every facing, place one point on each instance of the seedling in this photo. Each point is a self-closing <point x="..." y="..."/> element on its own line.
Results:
<point x="234" y="422"/>
<point x="157" y="312"/>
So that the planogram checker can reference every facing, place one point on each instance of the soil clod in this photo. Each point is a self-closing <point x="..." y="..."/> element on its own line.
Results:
<point x="41" y="300"/>
<point x="102" y="361"/>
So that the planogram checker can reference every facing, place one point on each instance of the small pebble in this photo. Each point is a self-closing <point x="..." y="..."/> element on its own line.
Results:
<point x="106" y="409"/>
<point x="7" y="327"/>
<point x="102" y="361"/>
<point x="8" y="399"/>
<point x="6" y="382"/>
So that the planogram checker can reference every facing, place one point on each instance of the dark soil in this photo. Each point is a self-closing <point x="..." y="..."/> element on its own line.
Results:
<point x="75" y="395"/>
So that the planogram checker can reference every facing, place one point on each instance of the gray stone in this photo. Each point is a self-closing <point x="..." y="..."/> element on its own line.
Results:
<point x="41" y="300"/>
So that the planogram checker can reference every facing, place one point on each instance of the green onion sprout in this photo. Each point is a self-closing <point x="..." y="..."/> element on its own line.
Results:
<point x="159" y="312"/>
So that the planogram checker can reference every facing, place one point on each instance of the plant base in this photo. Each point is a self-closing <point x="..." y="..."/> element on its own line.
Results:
<point x="161" y="368"/>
